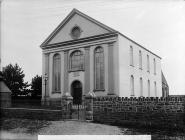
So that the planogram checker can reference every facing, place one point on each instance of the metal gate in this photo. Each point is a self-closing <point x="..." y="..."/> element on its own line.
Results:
<point x="78" y="111"/>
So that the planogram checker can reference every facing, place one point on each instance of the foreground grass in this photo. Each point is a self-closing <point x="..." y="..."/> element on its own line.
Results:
<point x="22" y="125"/>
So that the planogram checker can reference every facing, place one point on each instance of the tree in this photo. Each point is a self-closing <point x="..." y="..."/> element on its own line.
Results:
<point x="36" y="86"/>
<point x="14" y="78"/>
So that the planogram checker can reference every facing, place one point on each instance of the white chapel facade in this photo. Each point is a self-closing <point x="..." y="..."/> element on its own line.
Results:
<point x="83" y="55"/>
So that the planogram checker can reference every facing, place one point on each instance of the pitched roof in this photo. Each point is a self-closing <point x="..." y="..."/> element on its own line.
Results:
<point x="164" y="79"/>
<point x="75" y="11"/>
<point x="70" y="15"/>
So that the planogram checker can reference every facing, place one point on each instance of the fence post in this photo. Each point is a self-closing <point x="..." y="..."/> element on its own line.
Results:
<point x="89" y="105"/>
<point x="66" y="103"/>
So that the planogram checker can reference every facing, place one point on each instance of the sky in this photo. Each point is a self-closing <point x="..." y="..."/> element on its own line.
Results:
<point x="158" y="25"/>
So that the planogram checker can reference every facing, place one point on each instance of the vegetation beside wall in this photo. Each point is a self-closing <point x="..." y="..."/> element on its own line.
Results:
<point x="35" y="114"/>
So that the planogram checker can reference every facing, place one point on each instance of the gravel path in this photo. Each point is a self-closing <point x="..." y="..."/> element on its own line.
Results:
<point x="77" y="127"/>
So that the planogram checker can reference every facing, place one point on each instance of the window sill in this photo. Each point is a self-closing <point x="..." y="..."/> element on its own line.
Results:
<point x="98" y="90"/>
<point x="76" y="70"/>
<point x="56" y="92"/>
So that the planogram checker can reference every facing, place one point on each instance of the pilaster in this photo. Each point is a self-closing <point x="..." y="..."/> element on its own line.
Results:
<point x="87" y="71"/>
<point x="50" y="76"/>
<point x="66" y="79"/>
<point x="110" y="69"/>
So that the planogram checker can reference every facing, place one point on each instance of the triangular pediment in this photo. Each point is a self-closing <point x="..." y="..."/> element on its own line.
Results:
<point x="88" y="27"/>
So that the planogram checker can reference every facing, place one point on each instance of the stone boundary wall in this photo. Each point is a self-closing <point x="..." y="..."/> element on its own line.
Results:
<point x="152" y="112"/>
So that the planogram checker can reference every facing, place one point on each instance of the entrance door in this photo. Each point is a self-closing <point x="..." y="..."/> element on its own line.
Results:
<point x="76" y="90"/>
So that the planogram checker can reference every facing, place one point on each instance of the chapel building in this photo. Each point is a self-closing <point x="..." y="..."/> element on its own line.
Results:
<point x="83" y="55"/>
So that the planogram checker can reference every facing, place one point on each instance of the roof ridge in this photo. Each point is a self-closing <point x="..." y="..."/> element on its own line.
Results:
<point x="67" y="18"/>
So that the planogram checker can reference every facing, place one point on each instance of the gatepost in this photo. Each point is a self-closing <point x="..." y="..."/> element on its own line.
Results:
<point x="66" y="103"/>
<point x="89" y="105"/>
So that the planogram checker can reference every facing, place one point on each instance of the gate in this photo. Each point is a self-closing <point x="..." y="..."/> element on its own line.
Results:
<point x="78" y="107"/>
<point x="78" y="111"/>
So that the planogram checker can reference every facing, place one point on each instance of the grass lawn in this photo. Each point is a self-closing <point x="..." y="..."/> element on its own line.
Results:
<point x="20" y="129"/>
<point x="27" y="125"/>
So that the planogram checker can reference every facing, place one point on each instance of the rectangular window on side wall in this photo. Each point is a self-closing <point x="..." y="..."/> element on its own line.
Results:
<point x="132" y="85"/>
<point x="148" y="63"/>
<point x="148" y="88"/>
<point x="154" y="66"/>
<point x="141" y="87"/>
<point x="140" y="60"/>
<point x="155" y="89"/>
<point x="131" y="56"/>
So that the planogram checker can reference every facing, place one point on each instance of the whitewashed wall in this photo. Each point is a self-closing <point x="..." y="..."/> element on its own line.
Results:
<point x="125" y="70"/>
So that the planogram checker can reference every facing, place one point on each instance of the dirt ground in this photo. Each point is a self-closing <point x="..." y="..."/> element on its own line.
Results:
<point x="25" y="129"/>
<point x="29" y="129"/>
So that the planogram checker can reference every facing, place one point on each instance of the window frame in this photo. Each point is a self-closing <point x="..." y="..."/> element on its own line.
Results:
<point x="140" y="60"/>
<point x="101" y="65"/>
<point x="132" y="94"/>
<point x="148" y="63"/>
<point x="56" y="87"/>
<point x="131" y="56"/>
<point x="148" y="88"/>
<point x="155" y="88"/>
<point x="154" y="63"/>
<point x="74" y="58"/>
<point x="141" y="86"/>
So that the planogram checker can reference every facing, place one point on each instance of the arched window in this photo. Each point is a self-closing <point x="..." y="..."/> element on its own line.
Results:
<point x="132" y="85"/>
<point x="77" y="61"/>
<point x="56" y="72"/>
<point x="154" y="66"/>
<point x="131" y="56"/>
<point x="148" y="88"/>
<point x="148" y="64"/>
<point x="140" y="60"/>
<point x="155" y="89"/>
<point x="141" y="86"/>
<point x="99" y="68"/>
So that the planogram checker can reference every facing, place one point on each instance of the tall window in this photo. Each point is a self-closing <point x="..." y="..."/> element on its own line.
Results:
<point x="77" y="61"/>
<point x="131" y="56"/>
<point x="148" y="88"/>
<point x="155" y="89"/>
<point x="99" y="68"/>
<point x="148" y="64"/>
<point x="141" y="86"/>
<point x="56" y="72"/>
<point x="154" y="66"/>
<point x="132" y="85"/>
<point x="140" y="60"/>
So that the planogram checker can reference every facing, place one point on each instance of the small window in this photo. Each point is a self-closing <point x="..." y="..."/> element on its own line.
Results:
<point x="132" y="85"/>
<point x="77" y="61"/>
<point x="141" y="86"/>
<point x="140" y="59"/>
<point x="148" y="64"/>
<point x="148" y="88"/>
<point x="75" y="32"/>
<point x="131" y="56"/>
<point x="154" y="66"/>
<point x="155" y="89"/>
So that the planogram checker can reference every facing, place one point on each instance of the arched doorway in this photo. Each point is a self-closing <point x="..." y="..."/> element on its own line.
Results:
<point x="76" y="92"/>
